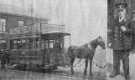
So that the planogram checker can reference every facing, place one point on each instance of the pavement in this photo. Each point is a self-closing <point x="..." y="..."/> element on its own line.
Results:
<point x="109" y="60"/>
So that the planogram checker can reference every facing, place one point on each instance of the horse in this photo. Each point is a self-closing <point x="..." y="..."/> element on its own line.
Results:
<point x="85" y="51"/>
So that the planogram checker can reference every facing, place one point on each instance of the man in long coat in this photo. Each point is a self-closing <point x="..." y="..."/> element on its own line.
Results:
<point x="122" y="40"/>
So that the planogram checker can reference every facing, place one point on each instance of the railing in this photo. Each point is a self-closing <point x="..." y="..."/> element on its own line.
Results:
<point x="50" y="28"/>
<point x="38" y="28"/>
<point x="33" y="28"/>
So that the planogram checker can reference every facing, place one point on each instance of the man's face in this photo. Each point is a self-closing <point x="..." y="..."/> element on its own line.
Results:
<point x="121" y="13"/>
<point x="121" y="10"/>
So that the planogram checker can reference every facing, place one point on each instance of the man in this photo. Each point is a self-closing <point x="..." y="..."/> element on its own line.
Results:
<point x="122" y="34"/>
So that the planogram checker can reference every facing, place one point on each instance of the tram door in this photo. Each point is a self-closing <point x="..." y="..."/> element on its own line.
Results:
<point x="52" y="51"/>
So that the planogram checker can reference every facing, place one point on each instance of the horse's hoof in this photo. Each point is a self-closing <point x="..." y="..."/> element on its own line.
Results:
<point x="90" y="74"/>
<point x="85" y="73"/>
<point x="90" y="77"/>
<point x="72" y="73"/>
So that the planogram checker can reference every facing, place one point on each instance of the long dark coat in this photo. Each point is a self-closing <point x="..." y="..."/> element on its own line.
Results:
<point x="4" y="58"/>
<point x="122" y="40"/>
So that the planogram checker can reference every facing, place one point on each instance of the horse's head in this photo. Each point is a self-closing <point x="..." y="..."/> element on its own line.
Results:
<point x="100" y="42"/>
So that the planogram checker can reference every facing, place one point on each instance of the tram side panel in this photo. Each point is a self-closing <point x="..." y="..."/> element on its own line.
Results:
<point x="37" y="56"/>
<point x="24" y="51"/>
<point x="26" y="57"/>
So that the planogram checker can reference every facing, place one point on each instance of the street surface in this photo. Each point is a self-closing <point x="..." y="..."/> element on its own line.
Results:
<point x="62" y="73"/>
<point x="56" y="75"/>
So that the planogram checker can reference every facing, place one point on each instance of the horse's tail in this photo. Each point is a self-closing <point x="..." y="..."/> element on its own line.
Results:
<point x="69" y="52"/>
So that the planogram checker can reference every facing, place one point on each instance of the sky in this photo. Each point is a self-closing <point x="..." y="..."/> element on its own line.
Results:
<point x="84" y="19"/>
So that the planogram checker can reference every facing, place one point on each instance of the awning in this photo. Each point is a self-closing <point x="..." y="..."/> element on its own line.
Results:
<point x="47" y="36"/>
<point x="55" y="35"/>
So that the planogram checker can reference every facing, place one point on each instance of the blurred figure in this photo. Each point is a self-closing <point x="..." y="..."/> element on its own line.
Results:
<point x="4" y="59"/>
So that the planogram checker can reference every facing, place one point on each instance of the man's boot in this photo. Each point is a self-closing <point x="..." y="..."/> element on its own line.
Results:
<point x="114" y="73"/>
<point x="127" y="77"/>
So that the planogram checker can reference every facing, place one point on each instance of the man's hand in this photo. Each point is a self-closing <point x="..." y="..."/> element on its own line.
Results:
<point x="132" y="52"/>
<point x="123" y="28"/>
<point x="109" y="45"/>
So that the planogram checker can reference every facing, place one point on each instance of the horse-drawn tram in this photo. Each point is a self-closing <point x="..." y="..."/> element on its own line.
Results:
<point x="41" y="49"/>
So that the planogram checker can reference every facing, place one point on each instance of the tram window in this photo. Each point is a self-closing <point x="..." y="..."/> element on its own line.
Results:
<point x="34" y="43"/>
<point x="51" y="44"/>
<point x="42" y="44"/>
<point x="18" y="44"/>
<point x="23" y="41"/>
<point x="30" y="43"/>
<point x="57" y="44"/>
<point x="2" y="44"/>
<point x="20" y="23"/>
<point x="13" y="44"/>
<point x="24" y="44"/>
<point x="46" y="44"/>
<point x="37" y="43"/>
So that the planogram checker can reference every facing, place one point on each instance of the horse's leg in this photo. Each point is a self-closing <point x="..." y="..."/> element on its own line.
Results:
<point x="72" y="62"/>
<point x="86" y="65"/>
<point x="90" y="67"/>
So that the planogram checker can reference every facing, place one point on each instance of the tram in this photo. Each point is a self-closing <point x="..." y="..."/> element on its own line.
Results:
<point x="41" y="49"/>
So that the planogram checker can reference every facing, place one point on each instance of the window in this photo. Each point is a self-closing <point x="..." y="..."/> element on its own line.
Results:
<point x="3" y="44"/>
<point x="20" y="23"/>
<point x="46" y="43"/>
<point x="25" y="44"/>
<point x="38" y="41"/>
<point x="2" y="25"/>
<point x="57" y="44"/>
<point x="18" y="44"/>
<point x="51" y="43"/>
<point x="13" y="44"/>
